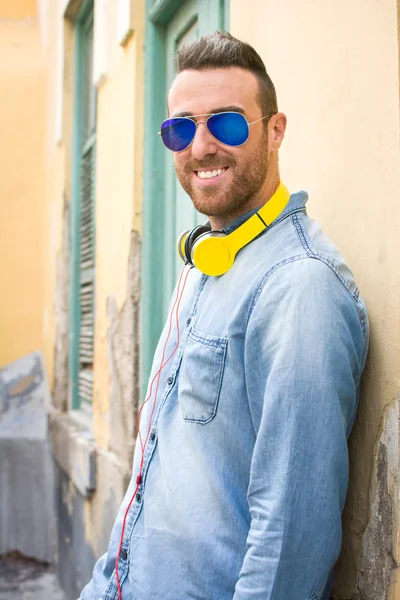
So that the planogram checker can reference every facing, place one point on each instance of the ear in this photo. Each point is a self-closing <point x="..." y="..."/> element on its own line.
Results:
<point x="277" y="128"/>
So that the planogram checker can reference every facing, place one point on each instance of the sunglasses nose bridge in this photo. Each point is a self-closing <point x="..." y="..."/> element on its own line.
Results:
<point x="201" y="122"/>
<point x="203" y="142"/>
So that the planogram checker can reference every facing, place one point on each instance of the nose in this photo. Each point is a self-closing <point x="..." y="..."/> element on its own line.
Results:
<point x="203" y="143"/>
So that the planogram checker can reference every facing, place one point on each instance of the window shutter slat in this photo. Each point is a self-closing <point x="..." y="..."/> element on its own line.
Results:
<point x="86" y="384"/>
<point x="87" y="249"/>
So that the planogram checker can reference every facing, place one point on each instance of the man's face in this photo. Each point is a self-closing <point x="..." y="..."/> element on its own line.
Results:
<point x="239" y="187"/>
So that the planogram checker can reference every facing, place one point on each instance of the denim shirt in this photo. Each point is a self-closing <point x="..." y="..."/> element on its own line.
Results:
<point x="245" y="471"/>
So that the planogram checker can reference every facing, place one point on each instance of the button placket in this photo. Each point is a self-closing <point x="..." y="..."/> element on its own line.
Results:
<point x="124" y="554"/>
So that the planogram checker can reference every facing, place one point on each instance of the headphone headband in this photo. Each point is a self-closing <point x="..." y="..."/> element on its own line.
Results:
<point x="214" y="252"/>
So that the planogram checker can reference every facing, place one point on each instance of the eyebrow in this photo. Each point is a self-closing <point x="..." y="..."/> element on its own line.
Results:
<point x="231" y="108"/>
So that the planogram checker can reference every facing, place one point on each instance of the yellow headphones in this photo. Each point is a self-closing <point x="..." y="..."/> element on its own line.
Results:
<point x="214" y="252"/>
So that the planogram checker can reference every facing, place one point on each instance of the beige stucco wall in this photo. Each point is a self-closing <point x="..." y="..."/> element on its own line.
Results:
<point x="118" y="198"/>
<point x="22" y="121"/>
<point x="335" y="67"/>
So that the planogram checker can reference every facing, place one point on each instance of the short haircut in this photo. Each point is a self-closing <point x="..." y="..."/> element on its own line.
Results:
<point x="222" y="50"/>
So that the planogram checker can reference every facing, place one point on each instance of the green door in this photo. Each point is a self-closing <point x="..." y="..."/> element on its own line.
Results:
<point x="167" y="209"/>
<point x="186" y="26"/>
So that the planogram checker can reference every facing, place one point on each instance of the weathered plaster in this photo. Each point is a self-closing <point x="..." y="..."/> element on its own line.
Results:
<point x="378" y="561"/>
<point x="92" y="480"/>
<point x="76" y="557"/>
<point x="84" y="525"/>
<point x="101" y="510"/>
<point x="60" y="391"/>
<point x="376" y="547"/>
<point x="123" y="357"/>
<point x="74" y="450"/>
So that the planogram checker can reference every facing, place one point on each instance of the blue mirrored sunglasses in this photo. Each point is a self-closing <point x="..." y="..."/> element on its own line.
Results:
<point x="229" y="128"/>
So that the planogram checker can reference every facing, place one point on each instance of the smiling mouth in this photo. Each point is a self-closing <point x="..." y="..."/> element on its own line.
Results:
<point x="211" y="174"/>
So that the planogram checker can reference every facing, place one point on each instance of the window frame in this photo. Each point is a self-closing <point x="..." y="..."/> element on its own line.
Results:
<point x="81" y="142"/>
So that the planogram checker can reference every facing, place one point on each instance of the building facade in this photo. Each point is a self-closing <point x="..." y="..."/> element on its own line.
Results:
<point x="89" y="195"/>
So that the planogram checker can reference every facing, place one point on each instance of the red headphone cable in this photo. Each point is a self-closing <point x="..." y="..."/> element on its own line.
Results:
<point x="176" y="304"/>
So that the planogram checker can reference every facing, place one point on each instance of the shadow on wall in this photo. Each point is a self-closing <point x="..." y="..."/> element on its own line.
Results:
<point x="76" y="557"/>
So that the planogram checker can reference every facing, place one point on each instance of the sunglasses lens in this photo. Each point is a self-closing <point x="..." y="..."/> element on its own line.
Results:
<point x="177" y="134"/>
<point x="229" y="128"/>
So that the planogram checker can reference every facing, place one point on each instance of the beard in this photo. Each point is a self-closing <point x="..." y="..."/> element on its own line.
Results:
<point x="248" y="175"/>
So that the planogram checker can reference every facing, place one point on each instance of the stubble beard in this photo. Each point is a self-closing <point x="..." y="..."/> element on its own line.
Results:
<point x="249" y="176"/>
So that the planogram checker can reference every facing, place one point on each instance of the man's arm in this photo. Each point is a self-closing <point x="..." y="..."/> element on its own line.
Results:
<point x="304" y="354"/>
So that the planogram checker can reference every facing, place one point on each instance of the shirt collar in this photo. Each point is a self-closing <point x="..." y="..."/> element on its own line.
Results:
<point x="296" y="202"/>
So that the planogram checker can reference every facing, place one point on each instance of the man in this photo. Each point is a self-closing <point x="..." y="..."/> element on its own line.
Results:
<point x="241" y="472"/>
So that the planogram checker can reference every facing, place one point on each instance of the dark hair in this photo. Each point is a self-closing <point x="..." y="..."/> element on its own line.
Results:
<point x="221" y="50"/>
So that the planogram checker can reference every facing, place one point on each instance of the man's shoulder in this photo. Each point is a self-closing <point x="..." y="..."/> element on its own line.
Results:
<point x="300" y="239"/>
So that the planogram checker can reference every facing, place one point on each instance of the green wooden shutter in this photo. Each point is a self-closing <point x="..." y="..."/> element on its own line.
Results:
<point x="83" y="217"/>
<point x="86" y="283"/>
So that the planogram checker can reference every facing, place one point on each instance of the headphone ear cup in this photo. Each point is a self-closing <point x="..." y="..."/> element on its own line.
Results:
<point x="192" y="237"/>
<point x="180" y="245"/>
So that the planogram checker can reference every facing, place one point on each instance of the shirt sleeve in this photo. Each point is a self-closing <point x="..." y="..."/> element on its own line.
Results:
<point x="305" y="351"/>
<point x="102" y="572"/>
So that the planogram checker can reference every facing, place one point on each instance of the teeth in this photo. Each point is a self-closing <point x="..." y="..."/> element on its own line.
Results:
<point x="210" y="174"/>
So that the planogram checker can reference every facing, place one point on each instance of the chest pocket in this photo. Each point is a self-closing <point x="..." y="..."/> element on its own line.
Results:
<point x="200" y="377"/>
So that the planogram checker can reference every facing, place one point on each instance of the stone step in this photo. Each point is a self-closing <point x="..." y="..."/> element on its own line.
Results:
<point x="26" y="579"/>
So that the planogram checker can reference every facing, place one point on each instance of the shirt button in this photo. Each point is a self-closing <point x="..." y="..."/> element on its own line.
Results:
<point x="138" y="497"/>
<point x="170" y="380"/>
<point x="152" y="436"/>
<point x="123" y="554"/>
<point x="188" y="321"/>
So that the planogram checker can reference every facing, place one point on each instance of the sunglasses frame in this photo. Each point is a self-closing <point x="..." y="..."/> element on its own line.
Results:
<point x="208" y="115"/>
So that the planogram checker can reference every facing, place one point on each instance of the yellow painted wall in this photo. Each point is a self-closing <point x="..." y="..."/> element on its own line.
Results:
<point x="58" y="171"/>
<point x="22" y="123"/>
<point x="17" y="9"/>
<point x="118" y="195"/>
<point x="335" y="67"/>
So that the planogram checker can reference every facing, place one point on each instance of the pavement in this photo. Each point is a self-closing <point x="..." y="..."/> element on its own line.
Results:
<point x="25" y="579"/>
